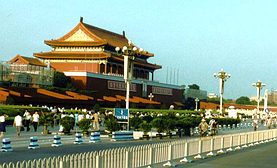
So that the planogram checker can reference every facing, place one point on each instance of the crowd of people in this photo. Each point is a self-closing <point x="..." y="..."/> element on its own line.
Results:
<point x="20" y="122"/>
<point x="28" y="119"/>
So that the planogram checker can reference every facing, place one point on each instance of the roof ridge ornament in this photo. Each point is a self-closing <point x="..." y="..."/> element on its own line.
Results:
<point x="81" y="19"/>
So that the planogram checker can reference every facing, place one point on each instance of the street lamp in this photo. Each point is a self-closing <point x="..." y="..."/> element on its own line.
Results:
<point x="222" y="76"/>
<point x="128" y="52"/>
<point x="259" y="85"/>
<point x="196" y="103"/>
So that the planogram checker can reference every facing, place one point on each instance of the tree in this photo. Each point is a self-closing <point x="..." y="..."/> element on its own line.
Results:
<point x="194" y="86"/>
<point x="60" y="80"/>
<point x="243" y="100"/>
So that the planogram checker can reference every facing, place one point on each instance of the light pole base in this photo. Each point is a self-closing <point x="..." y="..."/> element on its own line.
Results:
<point x="211" y="154"/>
<point x="199" y="156"/>
<point x="221" y="151"/>
<point x="238" y="148"/>
<point x="229" y="149"/>
<point x="251" y="145"/>
<point x="262" y="142"/>
<point x="266" y="141"/>
<point x="256" y="143"/>
<point x="244" y="146"/>
<point x="186" y="160"/>
<point x="169" y="164"/>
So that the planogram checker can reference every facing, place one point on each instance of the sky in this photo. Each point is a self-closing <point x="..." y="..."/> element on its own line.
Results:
<point x="193" y="38"/>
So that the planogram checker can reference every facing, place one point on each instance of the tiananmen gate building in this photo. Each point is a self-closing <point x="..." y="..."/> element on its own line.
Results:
<point x="87" y="54"/>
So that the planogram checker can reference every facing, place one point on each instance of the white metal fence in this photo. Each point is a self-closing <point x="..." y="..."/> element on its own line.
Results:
<point x="147" y="155"/>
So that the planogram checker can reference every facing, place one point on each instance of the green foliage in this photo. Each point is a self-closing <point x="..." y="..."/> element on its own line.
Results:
<point x="226" y="121"/>
<point x="84" y="125"/>
<point x="147" y="118"/>
<point x="160" y="124"/>
<point x="214" y="100"/>
<point x="46" y="119"/>
<point x="60" y="80"/>
<point x="112" y="125"/>
<point x="194" y="86"/>
<point x="67" y="123"/>
<point x="145" y="127"/>
<point x="159" y="111"/>
<point x="135" y="121"/>
<point x="12" y="110"/>
<point x="170" y="124"/>
<point x="243" y="100"/>
<point x="72" y="111"/>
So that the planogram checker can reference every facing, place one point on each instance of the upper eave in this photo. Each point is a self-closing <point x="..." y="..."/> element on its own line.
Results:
<point x="60" y="43"/>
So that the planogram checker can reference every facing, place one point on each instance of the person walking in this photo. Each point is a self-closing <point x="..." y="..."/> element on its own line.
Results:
<point x="18" y="124"/>
<point x="35" y="120"/>
<point x="96" y="121"/>
<point x="28" y="118"/>
<point x="3" y="123"/>
<point x="255" y="123"/>
<point x="203" y="128"/>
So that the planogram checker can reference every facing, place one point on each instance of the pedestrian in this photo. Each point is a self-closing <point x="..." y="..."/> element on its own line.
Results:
<point x="255" y="123"/>
<point x="212" y="126"/>
<point x="80" y="116"/>
<point x="18" y="124"/>
<point x="35" y="120"/>
<point x="203" y="128"/>
<point x="268" y="122"/>
<point x="27" y="117"/>
<point x="96" y="121"/>
<point x="3" y="123"/>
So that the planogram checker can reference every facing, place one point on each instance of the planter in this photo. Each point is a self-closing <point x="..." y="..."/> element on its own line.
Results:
<point x="159" y="136"/>
<point x="86" y="134"/>
<point x="145" y="137"/>
<point x="45" y="132"/>
<point x="169" y="135"/>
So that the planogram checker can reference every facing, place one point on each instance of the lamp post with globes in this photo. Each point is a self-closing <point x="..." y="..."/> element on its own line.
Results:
<point x="222" y="76"/>
<point x="259" y="85"/>
<point x="128" y="52"/>
<point x="196" y="103"/>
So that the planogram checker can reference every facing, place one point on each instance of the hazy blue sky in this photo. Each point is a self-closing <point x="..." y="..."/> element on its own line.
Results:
<point x="198" y="37"/>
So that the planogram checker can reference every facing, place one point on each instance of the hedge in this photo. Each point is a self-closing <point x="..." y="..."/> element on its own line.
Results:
<point x="12" y="110"/>
<point x="160" y="111"/>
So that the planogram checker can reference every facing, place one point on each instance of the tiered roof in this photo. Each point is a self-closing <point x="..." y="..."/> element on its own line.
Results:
<point x="92" y="37"/>
<point x="27" y="60"/>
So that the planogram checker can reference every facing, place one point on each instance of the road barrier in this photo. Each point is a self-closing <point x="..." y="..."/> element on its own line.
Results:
<point x="95" y="137"/>
<point x="57" y="141"/>
<point x="33" y="143"/>
<point x="148" y="155"/>
<point x="122" y="136"/>
<point x="78" y="139"/>
<point x="6" y="145"/>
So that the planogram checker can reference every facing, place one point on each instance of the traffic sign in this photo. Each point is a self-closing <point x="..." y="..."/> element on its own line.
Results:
<point x="266" y="110"/>
<point x="121" y="113"/>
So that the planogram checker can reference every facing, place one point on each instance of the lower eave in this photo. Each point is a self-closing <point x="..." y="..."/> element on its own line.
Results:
<point x="90" y="55"/>
<point x="72" y="55"/>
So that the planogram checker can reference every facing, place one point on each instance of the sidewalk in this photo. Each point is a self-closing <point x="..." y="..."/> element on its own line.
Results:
<point x="24" y="138"/>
